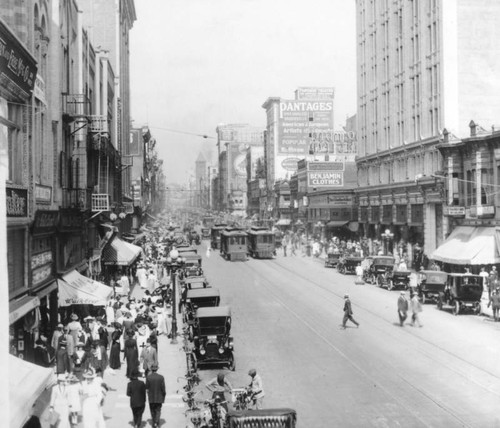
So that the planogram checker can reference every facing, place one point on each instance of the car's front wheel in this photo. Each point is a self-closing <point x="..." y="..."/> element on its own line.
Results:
<point x="232" y="365"/>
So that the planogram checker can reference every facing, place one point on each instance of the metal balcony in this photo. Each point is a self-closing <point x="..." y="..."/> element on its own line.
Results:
<point x="100" y="202"/>
<point x="76" y="198"/>
<point x="76" y="105"/>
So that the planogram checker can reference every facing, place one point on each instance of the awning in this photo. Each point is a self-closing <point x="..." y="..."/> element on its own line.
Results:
<point x="19" y="308"/>
<point x="76" y="289"/>
<point x="469" y="245"/>
<point x="336" y="223"/>
<point x="120" y="253"/>
<point x="27" y="381"/>
<point x="283" y="222"/>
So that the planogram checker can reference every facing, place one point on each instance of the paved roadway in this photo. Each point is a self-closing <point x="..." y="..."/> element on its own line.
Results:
<point x="286" y="323"/>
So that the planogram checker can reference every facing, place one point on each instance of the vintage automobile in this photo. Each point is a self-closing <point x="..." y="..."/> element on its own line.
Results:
<point x="192" y="282"/>
<point x="215" y="232"/>
<point x="332" y="259"/>
<point x="261" y="243"/>
<point x="432" y="283"/>
<point x="400" y="279"/>
<point x="213" y="344"/>
<point x="205" y="233"/>
<point x="194" y="237"/>
<point x="276" y="418"/>
<point x="348" y="264"/>
<point x="199" y="298"/>
<point x="233" y="244"/>
<point x="192" y="264"/>
<point x="463" y="291"/>
<point x="380" y="269"/>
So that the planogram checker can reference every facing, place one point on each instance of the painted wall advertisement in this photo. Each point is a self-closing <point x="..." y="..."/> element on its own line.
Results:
<point x="325" y="174"/>
<point x="298" y="119"/>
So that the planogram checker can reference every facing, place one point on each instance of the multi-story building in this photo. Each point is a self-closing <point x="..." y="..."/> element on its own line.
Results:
<point x="58" y="139"/>
<point x="200" y="172"/>
<point x="233" y="141"/>
<point x="471" y="184"/>
<point x="419" y="70"/>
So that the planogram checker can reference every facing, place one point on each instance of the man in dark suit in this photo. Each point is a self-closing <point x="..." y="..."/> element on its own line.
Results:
<point x="136" y="390"/>
<point x="155" y="384"/>
<point x="348" y="312"/>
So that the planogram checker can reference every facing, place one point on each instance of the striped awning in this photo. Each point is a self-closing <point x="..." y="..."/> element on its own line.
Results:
<point x="120" y="253"/>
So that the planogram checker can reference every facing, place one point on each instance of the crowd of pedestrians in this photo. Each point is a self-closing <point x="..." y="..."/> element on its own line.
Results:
<point x="125" y="332"/>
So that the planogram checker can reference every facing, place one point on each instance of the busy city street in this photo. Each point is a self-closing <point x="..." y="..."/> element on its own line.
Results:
<point x="287" y="314"/>
<point x="250" y="213"/>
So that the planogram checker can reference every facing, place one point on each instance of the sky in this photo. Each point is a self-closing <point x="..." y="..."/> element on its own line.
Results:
<point x="195" y="64"/>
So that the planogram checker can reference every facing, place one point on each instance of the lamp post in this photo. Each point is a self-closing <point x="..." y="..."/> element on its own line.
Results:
<point x="387" y="236"/>
<point x="174" y="262"/>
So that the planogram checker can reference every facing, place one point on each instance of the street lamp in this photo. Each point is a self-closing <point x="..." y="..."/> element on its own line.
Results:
<point x="174" y="262"/>
<point x="387" y="236"/>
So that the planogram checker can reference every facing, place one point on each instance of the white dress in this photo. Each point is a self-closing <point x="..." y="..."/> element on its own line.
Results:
<point x="91" y="405"/>
<point x="60" y="401"/>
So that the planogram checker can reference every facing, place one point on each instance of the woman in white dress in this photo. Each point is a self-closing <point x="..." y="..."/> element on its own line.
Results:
<point x="59" y="401"/>
<point x="74" y="399"/>
<point x="92" y="397"/>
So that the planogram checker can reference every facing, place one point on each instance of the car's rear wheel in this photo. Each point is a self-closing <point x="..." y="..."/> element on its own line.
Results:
<point x="423" y="298"/>
<point x="477" y="308"/>
<point x="390" y="285"/>
<point x="456" y="308"/>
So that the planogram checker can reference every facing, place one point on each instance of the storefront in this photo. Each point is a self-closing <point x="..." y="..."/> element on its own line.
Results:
<point x="71" y="245"/>
<point x="43" y="268"/>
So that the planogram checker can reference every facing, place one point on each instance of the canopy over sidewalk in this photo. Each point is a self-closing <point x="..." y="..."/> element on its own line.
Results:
<point x="27" y="381"/>
<point x="469" y="245"/>
<point x="120" y="253"/>
<point x="76" y="289"/>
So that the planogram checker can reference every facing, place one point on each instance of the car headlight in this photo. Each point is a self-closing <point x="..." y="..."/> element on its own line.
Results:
<point x="202" y="350"/>
<point x="221" y="350"/>
<point x="230" y="343"/>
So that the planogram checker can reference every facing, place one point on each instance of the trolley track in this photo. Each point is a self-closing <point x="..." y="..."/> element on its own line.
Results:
<point x="253" y="269"/>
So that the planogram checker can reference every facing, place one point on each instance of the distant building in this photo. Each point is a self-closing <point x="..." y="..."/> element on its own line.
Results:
<point x="233" y="141"/>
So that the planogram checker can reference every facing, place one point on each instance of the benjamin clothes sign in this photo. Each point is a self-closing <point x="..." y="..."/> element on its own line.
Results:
<point x="325" y="174"/>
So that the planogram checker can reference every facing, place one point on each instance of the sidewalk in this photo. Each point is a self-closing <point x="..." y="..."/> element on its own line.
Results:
<point x="171" y="361"/>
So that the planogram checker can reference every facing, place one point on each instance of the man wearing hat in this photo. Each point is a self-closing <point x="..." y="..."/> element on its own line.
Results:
<point x="402" y="308"/>
<point x="348" y="312"/>
<point x="149" y="357"/>
<point x="62" y="359"/>
<point x="136" y="390"/>
<point x="256" y="389"/>
<point x="58" y="332"/>
<point x="155" y="385"/>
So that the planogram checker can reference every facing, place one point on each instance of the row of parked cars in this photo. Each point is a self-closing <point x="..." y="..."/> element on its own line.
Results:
<point x="459" y="291"/>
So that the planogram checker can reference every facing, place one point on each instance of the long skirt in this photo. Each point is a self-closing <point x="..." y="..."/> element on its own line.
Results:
<point x="114" y="356"/>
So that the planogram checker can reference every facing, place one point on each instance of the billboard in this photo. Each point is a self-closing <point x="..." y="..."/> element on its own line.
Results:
<point x="314" y="93"/>
<point x="135" y="142"/>
<point x="325" y="174"/>
<point x="298" y="119"/>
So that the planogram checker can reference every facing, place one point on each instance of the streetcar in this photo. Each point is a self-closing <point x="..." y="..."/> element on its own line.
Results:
<point x="215" y="232"/>
<point x="233" y="244"/>
<point x="261" y="243"/>
<point x="207" y="223"/>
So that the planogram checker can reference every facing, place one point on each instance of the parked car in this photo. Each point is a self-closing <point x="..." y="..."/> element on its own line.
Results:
<point x="462" y="292"/>
<point x="199" y="298"/>
<point x="432" y="283"/>
<point x="399" y="280"/>
<point x="213" y="344"/>
<point x="380" y="269"/>
<point x="332" y="259"/>
<point x="348" y="264"/>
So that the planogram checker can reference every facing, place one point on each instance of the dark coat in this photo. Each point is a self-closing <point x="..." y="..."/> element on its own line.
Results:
<point x="155" y="384"/>
<point x="62" y="361"/>
<point x="136" y="390"/>
<point x="347" y="307"/>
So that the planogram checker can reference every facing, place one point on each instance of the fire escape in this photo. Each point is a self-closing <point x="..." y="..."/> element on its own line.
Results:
<point x="90" y="164"/>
